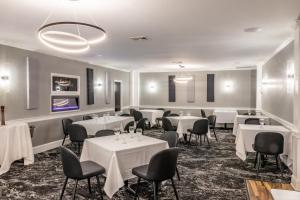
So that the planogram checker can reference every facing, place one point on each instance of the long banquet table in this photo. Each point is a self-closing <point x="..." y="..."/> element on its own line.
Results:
<point x="240" y="119"/>
<point x="152" y="114"/>
<point x="246" y="135"/>
<point x="106" y="122"/>
<point x="184" y="123"/>
<point x="15" y="144"/>
<point x="118" y="158"/>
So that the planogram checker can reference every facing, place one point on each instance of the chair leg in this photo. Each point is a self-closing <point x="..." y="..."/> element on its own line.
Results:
<point x="175" y="191"/>
<point x="214" y="130"/>
<point x="190" y="138"/>
<point x="258" y="163"/>
<point x="75" y="188"/>
<point x="99" y="186"/>
<point x="89" y="184"/>
<point x="200" y="140"/>
<point x="276" y="157"/>
<point x="255" y="161"/>
<point x="205" y="136"/>
<point x="177" y="172"/>
<point x="155" y="190"/>
<point x="64" y="187"/>
<point x="280" y="165"/>
<point x="64" y="140"/>
<point x="137" y="188"/>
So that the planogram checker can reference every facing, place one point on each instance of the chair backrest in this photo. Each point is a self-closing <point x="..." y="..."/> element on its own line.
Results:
<point x="65" y="124"/>
<point x="70" y="162"/>
<point x="254" y="121"/>
<point x="174" y="115"/>
<point x="160" y="109"/>
<point x="131" y="111"/>
<point x="128" y="125"/>
<point x="166" y="124"/>
<point x="171" y="137"/>
<point x="167" y="113"/>
<point x="203" y="113"/>
<point x="269" y="143"/>
<point x="200" y="127"/>
<point x="105" y="132"/>
<point x="86" y="117"/>
<point x="162" y="165"/>
<point x="137" y="115"/>
<point x="141" y="124"/>
<point x="125" y="115"/>
<point x="77" y="133"/>
<point x="212" y="120"/>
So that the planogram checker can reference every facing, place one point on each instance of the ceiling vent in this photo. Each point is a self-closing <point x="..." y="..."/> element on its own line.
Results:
<point x="139" y="38"/>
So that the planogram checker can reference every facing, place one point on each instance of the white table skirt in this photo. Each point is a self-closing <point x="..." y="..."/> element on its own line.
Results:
<point x="225" y="116"/>
<point x="240" y="119"/>
<point x="151" y="115"/>
<point x="107" y="122"/>
<point x="15" y="144"/>
<point x="184" y="123"/>
<point x="246" y="135"/>
<point x="118" y="158"/>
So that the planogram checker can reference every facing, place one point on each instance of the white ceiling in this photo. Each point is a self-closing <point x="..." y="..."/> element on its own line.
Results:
<point x="203" y="34"/>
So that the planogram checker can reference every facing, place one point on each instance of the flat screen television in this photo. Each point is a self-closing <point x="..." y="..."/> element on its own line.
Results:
<point x="64" y="103"/>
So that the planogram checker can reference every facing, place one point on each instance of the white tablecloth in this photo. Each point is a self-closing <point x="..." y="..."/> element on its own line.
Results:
<point x="151" y="115"/>
<point x="118" y="159"/>
<point x="246" y="135"/>
<point x="107" y="122"/>
<point x="15" y="144"/>
<point x="225" y="116"/>
<point x="240" y="119"/>
<point x="184" y="123"/>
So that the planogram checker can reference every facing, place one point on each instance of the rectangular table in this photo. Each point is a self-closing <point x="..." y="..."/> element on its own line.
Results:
<point x="225" y="116"/>
<point x="240" y="119"/>
<point x="246" y="135"/>
<point x="151" y="115"/>
<point x="118" y="158"/>
<point x="15" y="144"/>
<point x="184" y="123"/>
<point x="106" y="122"/>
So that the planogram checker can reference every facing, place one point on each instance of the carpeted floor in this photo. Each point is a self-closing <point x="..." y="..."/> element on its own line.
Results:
<point x="206" y="173"/>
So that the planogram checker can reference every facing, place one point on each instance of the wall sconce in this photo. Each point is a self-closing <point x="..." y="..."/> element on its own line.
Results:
<point x="290" y="76"/>
<point x="98" y="85"/>
<point x="152" y="87"/>
<point x="228" y="86"/>
<point x="4" y="82"/>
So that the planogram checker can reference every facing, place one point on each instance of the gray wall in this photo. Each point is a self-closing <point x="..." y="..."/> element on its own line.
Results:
<point x="14" y="60"/>
<point x="242" y="95"/>
<point x="277" y="97"/>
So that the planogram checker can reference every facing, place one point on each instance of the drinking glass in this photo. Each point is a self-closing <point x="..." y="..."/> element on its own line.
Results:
<point x="117" y="133"/>
<point x="131" y="131"/>
<point x="139" y="133"/>
<point x="262" y="122"/>
<point x="249" y="112"/>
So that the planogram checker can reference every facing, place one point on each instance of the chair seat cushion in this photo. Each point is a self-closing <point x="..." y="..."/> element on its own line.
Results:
<point x="140" y="171"/>
<point x="190" y="130"/>
<point x="159" y="118"/>
<point x="90" y="169"/>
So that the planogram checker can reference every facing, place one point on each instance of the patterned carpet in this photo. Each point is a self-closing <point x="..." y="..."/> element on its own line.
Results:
<point x="206" y="173"/>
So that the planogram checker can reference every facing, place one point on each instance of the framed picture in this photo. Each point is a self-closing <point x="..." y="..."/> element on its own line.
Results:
<point x="62" y="84"/>
<point x="64" y="103"/>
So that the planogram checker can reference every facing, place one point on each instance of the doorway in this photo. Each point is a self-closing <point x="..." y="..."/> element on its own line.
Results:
<point x="118" y="92"/>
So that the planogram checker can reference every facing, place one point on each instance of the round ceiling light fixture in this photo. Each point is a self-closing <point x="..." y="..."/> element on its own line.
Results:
<point x="253" y="29"/>
<point x="54" y="36"/>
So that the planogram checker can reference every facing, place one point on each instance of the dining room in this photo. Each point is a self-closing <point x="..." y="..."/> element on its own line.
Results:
<point x="121" y="100"/>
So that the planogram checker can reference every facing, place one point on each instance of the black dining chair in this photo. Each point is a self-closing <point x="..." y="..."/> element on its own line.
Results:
<point x="77" y="134"/>
<point x="173" y="115"/>
<point x="200" y="128"/>
<point x="162" y="167"/>
<point x="254" y="121"/>
<point x="212" y="124"/>
<point x="141" y="124"/>
<point x="76" y="170"/>
<point x="128" y="125"/>
<point x="86" y="117"/>
<point x="125" y="115"/>
<point x="203" y="114"/>
<point x="104" y="132"/>
<point x="159" y="119"/>
<point x="131" y="111"/>
<point x="167" y="125"/>
<point x="65" y="124"/>
<point x="172" y="138"/>
<point x="268" y="143"/>
<point x="137" y="115"/>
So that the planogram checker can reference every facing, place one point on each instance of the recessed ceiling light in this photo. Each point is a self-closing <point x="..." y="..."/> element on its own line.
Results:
<point x="177" y="62"/>
<point x="182" y="66"/>
<point x="137" y="38"/>
<point x="253" y="29"/>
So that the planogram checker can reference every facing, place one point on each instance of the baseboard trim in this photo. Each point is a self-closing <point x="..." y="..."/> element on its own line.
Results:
<point x="49" y="146"/>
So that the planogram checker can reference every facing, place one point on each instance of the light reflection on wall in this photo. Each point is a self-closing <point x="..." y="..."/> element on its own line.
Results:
<point x="152" y="87"/>
<point x="228" y="86"/>
<point x="290" y="76"/>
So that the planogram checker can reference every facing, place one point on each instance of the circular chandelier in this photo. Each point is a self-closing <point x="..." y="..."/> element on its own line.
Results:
<point x="53" y="37"/>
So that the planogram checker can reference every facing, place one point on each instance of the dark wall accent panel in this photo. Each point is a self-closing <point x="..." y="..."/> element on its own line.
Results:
<point x="172" y="89"/>
<point x="90" y="86"/>
<point x="107" y="87"/>
<point x="210" y="87"/>
<point x="32" y="86"/>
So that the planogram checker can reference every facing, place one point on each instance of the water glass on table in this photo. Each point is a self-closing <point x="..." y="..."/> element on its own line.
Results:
<point x="139" y="133"/>
<point x="117" y="133"/>
<point x="261" y="122"/>
<point x="131" y="131"/>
